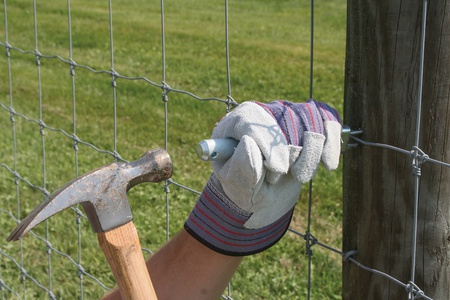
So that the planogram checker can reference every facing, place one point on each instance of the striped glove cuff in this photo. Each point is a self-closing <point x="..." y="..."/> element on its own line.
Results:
<point x="219" y="224"/>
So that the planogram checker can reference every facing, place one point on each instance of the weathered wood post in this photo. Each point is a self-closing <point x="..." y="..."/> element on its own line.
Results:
<point x="381" y="92"/>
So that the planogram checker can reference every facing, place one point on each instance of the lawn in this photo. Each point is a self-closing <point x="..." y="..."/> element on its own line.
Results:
<point x="269" y="44"/>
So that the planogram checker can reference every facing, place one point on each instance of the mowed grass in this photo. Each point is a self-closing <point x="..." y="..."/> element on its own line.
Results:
<point x="269" y="59"/>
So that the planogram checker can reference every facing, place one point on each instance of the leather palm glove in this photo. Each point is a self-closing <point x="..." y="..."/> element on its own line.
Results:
<point x="247" y="204"/>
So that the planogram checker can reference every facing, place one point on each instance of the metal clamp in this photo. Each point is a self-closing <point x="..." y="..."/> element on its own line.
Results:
<point x="346" y="134"/>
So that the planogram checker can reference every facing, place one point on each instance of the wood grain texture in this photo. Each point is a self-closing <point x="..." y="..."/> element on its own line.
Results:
<point x="381" y="92"/>
<point x="122" y="249"/>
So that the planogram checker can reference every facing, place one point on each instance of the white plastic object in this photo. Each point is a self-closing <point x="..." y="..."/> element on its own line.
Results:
<point x="216" y="149"/>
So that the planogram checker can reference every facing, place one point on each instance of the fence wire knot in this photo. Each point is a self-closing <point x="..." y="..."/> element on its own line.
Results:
<point x="311" y="240"/>
<point x="38" y="57"/>
<point x="231" y="103"/>
<point x="46" y="193"/>
<point x="11" y="118"/>
<point x="81" y="271"/>
<point x="419" y="157"/>
<point x="165" y="90"/>
<point x="51" y="295"/>
<point x="117" y="156"/>
<point x="75" y="140"/>
<point x="414" y="291"/>
<point x="16" y="177"/>
<point x="8" y="49"/>
<point x="78" y="212"/>
<point x="23" y="272"/>
<point x="73" y="65"/>
<point x="114" y="76"/>
<point x="49" y="247"/>
<point x="166" y="187"/>
<point x="42" y="126"/>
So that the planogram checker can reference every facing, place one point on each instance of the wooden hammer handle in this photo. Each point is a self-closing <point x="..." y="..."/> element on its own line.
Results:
<point x="123" y="252"/>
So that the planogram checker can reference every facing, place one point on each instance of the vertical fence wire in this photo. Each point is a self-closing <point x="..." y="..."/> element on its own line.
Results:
<point x="165" y="98"/>
<point x="308" y="237"/>
<point x="14" y="140"/>
<point x="42" y="133"/>
<point x="2" y="283"/>
<point x="229" y="97"/>
<point x="227" y="57"/>
<point x="78" y="214"/>
<point x="414" y="293"/>
<point x="416" y="162"/>
<point x="113" y="78"/>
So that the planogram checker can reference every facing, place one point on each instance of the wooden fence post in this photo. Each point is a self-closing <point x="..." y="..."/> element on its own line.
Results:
<point x="381" y="92"/>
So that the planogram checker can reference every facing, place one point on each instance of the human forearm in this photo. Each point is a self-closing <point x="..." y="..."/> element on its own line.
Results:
<point x="186" y="269"/>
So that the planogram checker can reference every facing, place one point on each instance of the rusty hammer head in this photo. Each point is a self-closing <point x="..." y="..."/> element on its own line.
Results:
<point x="102" y="192"/>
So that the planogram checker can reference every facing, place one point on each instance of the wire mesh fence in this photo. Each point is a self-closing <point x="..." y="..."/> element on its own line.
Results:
<point x="68" y="95"/>
<point x="83" y="113"/>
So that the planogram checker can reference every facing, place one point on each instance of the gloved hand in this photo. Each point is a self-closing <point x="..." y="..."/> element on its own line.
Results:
<point x="247" y="204"/>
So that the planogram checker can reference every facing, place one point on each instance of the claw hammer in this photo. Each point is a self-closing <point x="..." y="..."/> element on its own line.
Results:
<point x="103" y="195"/>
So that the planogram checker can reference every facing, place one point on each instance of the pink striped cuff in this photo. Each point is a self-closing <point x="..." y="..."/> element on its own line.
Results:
<point x="219" y="224"/>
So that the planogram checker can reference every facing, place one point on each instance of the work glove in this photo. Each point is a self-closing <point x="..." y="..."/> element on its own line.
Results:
<point x="247" y="204"/>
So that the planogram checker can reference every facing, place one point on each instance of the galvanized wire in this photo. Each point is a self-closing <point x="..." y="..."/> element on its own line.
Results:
<point x="309" y="238"/>
<point x="416" y="163"/>
<point x="417" y="156"/>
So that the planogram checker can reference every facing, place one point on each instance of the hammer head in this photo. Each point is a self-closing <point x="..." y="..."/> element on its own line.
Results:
<point x="102" y="192"/>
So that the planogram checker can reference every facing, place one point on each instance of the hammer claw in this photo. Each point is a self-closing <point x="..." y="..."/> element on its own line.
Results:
<point x="31" y="220"/>
<point x="43" y="211"/>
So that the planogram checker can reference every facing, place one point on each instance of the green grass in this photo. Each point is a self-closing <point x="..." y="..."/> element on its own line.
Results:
<point x="269" y="57"/>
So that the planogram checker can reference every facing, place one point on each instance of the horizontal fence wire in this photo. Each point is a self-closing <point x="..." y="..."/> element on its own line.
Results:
<point x="76" y="141"/>
<point x="415" y="154"/>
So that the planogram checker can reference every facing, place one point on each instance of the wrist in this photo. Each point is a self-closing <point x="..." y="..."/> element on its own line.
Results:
<point x="218" y="223"/>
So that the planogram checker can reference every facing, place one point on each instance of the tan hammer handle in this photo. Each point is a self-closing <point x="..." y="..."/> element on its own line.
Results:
<point x="123" y="252"/>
